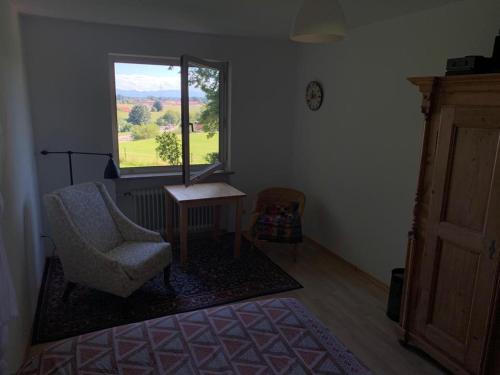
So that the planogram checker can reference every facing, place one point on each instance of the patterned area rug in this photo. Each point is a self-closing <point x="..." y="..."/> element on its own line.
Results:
<point x="275" y="336"/>
<point x="213" y="278"/>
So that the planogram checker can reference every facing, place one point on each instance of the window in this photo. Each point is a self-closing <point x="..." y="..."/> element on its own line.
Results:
<point x="170" y="115"/>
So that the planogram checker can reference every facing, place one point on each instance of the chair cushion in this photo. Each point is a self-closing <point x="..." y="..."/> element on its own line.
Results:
<point x="91" y="216"/>
<point x="141" y="260"/>
<point x="279" y="223"/>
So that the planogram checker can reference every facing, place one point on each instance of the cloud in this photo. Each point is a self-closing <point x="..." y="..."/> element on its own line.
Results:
<point x="138" y="82"/>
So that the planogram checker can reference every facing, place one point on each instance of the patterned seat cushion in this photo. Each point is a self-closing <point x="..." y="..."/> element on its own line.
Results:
<point x="140" y="259"/>
<point x="279" y="223"/>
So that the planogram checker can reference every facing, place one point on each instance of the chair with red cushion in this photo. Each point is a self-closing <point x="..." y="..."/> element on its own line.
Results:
<point x="277" y="217"/>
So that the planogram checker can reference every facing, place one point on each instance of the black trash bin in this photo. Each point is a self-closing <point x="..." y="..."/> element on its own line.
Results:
<point x="395" y="293"/>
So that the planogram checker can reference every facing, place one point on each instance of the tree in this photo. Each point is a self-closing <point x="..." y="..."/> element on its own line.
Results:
<point x="157" y="106"/>
<point x="169" y="118"/>
<point x="169" y="148"/>
<point x="212" y="157"/>
<point x="145" y="131"/>
<point x="207" y="80"/>
<point x="124" y="126"/>
<point x="139" y="115"/>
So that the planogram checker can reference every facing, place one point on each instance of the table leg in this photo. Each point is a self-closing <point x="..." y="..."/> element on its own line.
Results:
<point x="216" y="222"/>
<point x="169" y="218"/>
<point x="237" y="227"/>
<point x="183" y="226"/>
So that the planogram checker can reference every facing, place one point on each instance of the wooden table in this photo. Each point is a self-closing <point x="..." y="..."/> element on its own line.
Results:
<point x="198" y="195"/>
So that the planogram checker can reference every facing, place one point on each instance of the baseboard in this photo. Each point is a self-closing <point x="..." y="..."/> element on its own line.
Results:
<point x="379" y="283"/>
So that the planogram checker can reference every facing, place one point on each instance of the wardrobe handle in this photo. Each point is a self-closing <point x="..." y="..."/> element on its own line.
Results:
<point x="493" y="248"/>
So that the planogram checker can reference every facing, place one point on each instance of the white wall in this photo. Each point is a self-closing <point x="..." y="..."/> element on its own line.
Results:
<point x="20" y="227"/>
<point x="357" y="157"/>
<point x="68" y="76"/>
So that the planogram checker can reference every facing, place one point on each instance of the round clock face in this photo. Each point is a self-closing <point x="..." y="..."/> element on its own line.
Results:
<point x="314" y="95"/>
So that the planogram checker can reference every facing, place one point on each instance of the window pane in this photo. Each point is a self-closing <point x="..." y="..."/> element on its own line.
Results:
<point x="204" y="116"/>
<point x="202" y="128"/>
<point x="148" y="111"/>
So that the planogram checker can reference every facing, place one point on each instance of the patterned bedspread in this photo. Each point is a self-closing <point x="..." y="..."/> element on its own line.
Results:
<point x="274" y="336"/>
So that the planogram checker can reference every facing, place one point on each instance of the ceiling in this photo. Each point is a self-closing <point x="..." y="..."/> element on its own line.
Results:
<point x="262" y="18"/>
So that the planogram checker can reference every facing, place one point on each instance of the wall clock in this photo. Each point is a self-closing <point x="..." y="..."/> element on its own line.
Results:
<point x="314" y="95"/>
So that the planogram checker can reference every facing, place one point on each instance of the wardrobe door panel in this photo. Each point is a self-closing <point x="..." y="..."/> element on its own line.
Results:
<point x="460" y="258"/>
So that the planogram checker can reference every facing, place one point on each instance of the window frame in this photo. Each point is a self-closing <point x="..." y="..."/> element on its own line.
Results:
<point x="205" y="170"/>
<point x="176" y="170"/>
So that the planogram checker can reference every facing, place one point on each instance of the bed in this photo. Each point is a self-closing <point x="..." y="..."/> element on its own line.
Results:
<point x="273" y="336"/>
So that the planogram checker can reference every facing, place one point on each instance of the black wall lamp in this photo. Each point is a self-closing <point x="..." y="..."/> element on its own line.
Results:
<point x="111" y="171"/>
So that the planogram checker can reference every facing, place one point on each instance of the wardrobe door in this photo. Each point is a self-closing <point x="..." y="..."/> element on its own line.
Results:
<point x="460" y="258"/>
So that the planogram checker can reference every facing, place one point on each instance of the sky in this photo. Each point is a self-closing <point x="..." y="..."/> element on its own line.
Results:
<point x="142" y="77"/>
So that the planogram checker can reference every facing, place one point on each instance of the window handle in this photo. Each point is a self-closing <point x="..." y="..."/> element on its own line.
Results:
<point x="493" y="248"/>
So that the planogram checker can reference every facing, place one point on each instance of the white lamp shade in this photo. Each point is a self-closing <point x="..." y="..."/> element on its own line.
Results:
<point x="319" y="21"/>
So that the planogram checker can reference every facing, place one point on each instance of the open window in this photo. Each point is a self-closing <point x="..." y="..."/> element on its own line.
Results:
<point x="209" y="77"/>
<point x="169" y="115"/>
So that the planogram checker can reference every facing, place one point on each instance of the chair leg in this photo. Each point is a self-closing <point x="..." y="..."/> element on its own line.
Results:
<point x="253" y="240"/>
<point x="69" y="288"/>
<point x="166" y="279"/>
<point x="166" y="276"/>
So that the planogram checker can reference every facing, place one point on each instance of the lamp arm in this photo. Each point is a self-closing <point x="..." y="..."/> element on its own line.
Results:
<point x="45" y="152"/>
<point x="111" y="170"/>
<point x="95" y="153"/>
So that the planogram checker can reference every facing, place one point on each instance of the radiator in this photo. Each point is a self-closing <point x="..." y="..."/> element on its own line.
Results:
<point x="149" y="207"/>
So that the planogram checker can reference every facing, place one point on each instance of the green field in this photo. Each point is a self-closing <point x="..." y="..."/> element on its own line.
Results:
<point x="142" y="153"/>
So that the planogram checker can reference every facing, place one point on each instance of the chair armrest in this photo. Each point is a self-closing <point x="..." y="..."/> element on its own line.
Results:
<point x="133" y="232"/>
<point x="128" y="229"/>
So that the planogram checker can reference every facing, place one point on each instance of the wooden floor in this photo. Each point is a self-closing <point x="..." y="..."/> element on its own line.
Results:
<point x="350" y="304"/>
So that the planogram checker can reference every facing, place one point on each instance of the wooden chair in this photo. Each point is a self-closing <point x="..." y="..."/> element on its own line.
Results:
<point x="272" y="197"/>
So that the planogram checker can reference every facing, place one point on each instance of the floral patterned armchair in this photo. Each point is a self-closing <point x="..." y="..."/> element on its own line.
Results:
<point x="99" y="246"/>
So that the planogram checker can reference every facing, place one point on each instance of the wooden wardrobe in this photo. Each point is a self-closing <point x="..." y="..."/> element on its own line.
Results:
<point x="451" y="301"/>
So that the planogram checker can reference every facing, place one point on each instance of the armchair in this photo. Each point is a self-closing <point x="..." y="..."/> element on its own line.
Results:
<point x="99" y="246"/>
<point x="277" y="217"/>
